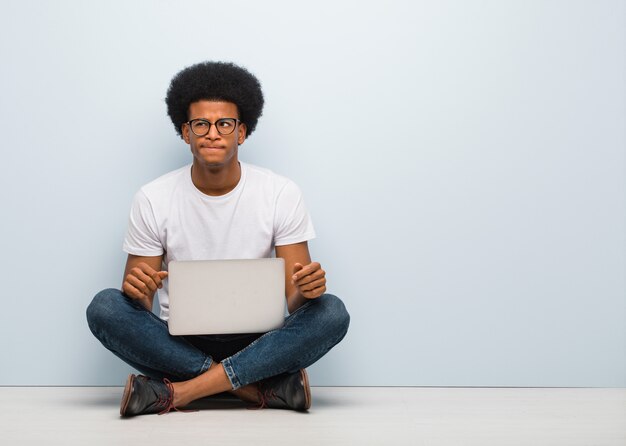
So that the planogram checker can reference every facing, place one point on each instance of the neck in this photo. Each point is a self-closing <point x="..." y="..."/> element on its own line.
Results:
<point x="215" y="180"/>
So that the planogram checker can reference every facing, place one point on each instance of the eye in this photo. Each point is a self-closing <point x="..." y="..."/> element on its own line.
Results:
<point x="199" y="124"/>
<point x="225" y="123"/>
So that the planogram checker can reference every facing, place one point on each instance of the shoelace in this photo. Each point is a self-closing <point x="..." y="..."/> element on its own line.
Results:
<point x="168" y="401"/>
<point x="264" y="397"/>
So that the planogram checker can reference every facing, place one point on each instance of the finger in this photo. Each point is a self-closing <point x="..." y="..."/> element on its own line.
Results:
<point x="312" y="285"/>
<point x="132" y="291"/>
<point x="306" y="270"/>
<point x="142" y="290"/>
<point x="311" y="277"/>
<point x="159" y="278"/>
<point x="136" y="295"/>
<point x="147" y="269"/>
<point x="147" y="279"/>
<point x="317" y="292"/>
<point x="139" y="285"/>
<point x="297" y="267"/>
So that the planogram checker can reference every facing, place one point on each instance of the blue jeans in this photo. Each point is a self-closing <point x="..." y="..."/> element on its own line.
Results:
<point x="142" y="340"/>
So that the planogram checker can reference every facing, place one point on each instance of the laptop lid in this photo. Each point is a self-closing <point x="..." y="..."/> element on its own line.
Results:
<point x="226" y="296"/>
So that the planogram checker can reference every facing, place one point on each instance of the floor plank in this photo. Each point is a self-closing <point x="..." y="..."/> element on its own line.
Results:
<point x="432" y="416"/>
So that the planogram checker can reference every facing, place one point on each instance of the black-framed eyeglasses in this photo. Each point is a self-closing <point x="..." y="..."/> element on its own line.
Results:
<point x="224" y="126"/>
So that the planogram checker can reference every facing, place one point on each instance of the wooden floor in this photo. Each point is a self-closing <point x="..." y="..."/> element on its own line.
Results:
<point x="387" y="416"/>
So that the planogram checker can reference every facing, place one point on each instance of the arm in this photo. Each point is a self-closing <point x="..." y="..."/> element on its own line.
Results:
<point x="142" y="277"/>
<point x="310" y="280"/>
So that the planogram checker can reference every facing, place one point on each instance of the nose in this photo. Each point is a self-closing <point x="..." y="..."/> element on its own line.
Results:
<point x="213" y="133"/>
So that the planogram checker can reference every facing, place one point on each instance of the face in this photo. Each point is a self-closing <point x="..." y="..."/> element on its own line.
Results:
<point x="214" y="149"/>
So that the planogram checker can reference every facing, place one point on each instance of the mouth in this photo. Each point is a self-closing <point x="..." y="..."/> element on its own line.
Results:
<point x="212" y="148"/>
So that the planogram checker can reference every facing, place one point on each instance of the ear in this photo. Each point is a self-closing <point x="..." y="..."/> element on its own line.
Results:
<point x="241" y="137"/>
<point x="184" y="129"/>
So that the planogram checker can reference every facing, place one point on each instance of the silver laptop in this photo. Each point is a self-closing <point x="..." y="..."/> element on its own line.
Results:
<point x="226" y="296"/>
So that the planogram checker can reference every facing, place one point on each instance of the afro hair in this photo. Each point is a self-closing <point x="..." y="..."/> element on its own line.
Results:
<point x="215" y="81"/>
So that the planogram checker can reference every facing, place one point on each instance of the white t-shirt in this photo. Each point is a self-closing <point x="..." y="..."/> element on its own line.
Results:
<point x="171" y="216"/>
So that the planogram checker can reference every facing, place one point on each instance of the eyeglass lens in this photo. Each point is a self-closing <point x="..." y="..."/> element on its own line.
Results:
<point x="201" y="127"/>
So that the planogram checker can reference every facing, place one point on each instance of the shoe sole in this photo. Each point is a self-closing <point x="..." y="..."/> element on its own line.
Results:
<point x="307" y="389"/>
<point x="128" y="390"/>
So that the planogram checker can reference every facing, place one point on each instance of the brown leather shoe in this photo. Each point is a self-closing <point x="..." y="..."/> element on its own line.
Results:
<point x="286" y="391"/>
<point x="143" y="395"/>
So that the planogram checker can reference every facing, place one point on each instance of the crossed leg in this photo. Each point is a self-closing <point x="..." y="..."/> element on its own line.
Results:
<point x="142" y="340"/>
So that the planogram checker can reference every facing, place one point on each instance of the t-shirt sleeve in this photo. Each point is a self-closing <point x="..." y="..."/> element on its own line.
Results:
<point x="142" y="234"/>
<point x="292" y="223"/>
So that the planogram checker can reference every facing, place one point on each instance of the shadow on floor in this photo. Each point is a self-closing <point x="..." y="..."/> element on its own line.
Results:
<point x="221" y="401"/>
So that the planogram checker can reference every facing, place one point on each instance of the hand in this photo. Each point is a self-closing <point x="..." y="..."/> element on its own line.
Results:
<point x="142" y="281"/>
<point x="310" y="280"/>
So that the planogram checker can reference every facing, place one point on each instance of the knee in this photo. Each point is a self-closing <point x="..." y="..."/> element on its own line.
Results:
<point x="102" y="308"/>
<point x="336" y="317"/>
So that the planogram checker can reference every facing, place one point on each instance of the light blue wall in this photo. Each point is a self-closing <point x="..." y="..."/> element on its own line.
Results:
<point x="463" y="162"/>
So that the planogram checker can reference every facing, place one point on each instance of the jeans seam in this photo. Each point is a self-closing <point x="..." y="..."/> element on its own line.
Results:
<point x="207" y="364"/>
<point x="230" y="373"/>
<point x="228" y="362"/>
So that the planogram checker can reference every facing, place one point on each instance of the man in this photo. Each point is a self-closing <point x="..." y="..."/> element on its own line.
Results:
<point x="216" y="208"/>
